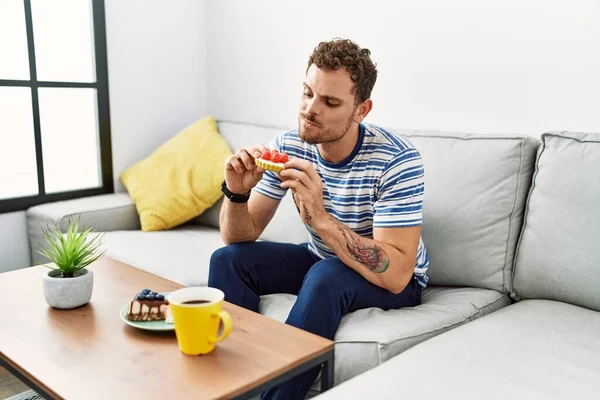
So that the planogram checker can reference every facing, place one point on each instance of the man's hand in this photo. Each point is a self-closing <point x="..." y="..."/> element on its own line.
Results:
<point x="241" y="172"/>
<point x="307" y="188"/>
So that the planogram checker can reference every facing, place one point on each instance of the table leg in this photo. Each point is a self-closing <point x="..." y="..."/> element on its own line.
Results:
<point x="327" y="373"/>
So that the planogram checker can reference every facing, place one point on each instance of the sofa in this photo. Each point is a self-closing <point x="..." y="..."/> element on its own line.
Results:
<point x="494" y="241"/>
<point x="547" y="344"/>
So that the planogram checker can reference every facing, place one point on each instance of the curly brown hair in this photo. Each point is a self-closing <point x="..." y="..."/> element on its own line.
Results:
<point x="337" y="53"/>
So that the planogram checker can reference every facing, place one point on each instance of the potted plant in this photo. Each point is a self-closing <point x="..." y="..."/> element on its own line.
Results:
<point x="69" y="283"/>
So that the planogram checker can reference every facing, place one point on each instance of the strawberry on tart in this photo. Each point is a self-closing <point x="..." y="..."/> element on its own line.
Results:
<point x="272" y="160"/>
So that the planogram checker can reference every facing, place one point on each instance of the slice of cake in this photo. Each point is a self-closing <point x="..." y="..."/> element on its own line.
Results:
<point x="272" y="160"/>
<point x="147" y="306"/>
<point x="168" y="315"/>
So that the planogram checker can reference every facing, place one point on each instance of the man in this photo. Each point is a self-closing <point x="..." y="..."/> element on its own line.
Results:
<point x="359" y="190"/>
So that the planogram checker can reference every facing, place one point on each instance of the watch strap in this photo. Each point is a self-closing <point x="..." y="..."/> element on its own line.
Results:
<point x="234" y="197"/>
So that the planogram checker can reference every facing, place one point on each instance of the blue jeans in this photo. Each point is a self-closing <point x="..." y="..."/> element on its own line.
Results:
<point x="327" y="290"/>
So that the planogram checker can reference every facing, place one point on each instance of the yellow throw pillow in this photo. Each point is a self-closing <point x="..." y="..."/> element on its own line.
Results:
<point x="180" y="179"/>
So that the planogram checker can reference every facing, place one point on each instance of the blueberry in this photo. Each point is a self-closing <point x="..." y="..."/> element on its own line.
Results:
<point x="160" y="297"/>
<point x="146" y="291"/>
<point x="150" y="297"/>
<point x="154" y="293"/>
<point x="141" y="296"/>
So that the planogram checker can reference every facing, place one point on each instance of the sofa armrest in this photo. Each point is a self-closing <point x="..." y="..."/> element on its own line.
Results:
<point x="108" y="212"/>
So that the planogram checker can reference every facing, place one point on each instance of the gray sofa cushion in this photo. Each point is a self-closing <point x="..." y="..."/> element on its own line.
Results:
<point x="475" y="191"/>
<point x="210" y="217"/>
<point x="534" y="349"/>
<point x="105" y="212"/>
<point x="371" y="336"/>
<point x="559" y="252"/>
<point x="181" y="254"/>
<point x="240" y="135"/>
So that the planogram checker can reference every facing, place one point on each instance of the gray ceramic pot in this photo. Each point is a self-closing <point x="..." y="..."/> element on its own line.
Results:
<point x="68" y="292"/>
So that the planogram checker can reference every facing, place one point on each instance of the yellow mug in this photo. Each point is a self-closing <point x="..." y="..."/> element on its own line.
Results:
<point x="197" y="315"/>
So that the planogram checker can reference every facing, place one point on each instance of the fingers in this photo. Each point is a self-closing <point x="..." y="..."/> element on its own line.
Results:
<point x="243" y="159"/>
<point x="299" y="191"/>
<point x="255" y="151"/>
<point x="261" y="148"/>
<point x="257" y="173"/>
<point x="304" y="166"/>
<point x="234" y="163"/>
<point x="246" y="159"/>
<point x="297" y="175"/>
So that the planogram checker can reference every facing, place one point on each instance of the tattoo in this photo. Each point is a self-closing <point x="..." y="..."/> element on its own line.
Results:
<point x="371" y="256"/>
<point x="306" y="214"/>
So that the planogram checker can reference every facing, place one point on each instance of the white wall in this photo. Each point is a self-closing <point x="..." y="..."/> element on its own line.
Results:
<point x="157" y="86"/>
<point x="513" y="66"/>
<point x="14" y="241"/>
<point x="156" y="72"/>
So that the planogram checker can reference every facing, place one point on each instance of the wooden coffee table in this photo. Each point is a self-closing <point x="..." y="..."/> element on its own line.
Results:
<point x="90" y="353"/>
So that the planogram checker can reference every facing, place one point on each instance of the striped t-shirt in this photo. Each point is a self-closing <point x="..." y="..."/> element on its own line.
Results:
<point x="380" y="184"/>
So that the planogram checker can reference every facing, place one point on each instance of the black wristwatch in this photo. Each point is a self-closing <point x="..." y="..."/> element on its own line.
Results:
<point x="233" y="197"/>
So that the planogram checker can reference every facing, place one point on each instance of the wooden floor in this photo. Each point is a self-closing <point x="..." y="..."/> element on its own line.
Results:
<point x="9" y="385"/>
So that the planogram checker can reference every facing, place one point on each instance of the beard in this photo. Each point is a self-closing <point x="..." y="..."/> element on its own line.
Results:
<point x="318" y="133"/>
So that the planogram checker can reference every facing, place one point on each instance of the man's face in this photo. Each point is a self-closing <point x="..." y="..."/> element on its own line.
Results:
<point x="327" y="108"/>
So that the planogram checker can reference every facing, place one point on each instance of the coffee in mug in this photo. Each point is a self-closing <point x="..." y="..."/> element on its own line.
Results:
<point x="197" y="315"/>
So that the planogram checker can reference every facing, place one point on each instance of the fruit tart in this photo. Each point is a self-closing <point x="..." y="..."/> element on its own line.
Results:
<point x="272" y="160"/>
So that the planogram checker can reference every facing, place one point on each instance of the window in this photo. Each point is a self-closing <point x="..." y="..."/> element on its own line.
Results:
<point x="54" y="113"/>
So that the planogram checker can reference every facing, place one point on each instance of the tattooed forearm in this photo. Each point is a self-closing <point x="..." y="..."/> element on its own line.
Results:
<point x="306" y="214"/>
<point x="370" y="255"/>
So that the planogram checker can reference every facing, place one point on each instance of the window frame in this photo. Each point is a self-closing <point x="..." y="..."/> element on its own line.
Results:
<point x="102" y="101"/>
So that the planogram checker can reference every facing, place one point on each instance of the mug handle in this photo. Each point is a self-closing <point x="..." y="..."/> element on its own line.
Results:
<point x="227" y="325"/>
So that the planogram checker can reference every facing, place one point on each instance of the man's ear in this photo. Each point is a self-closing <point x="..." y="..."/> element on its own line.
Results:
<point x="363" y="110"/>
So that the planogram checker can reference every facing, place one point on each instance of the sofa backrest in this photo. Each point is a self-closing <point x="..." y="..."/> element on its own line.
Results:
<point x="475" y="192"/>
<point x="286" y="225"/>
<point x="558" y="256"/>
